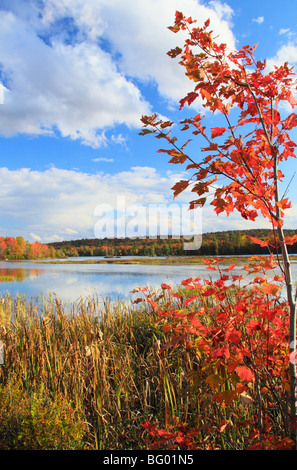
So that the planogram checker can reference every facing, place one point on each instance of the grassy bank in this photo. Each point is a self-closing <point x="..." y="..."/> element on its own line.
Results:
<point x="92" y="376"/>
<point x="185" y="260"/>
<point x="85" y="379"/>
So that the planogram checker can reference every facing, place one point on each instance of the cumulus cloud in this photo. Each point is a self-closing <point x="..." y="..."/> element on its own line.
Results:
<point x="73" y="88"/>
<point x="143" y="51"/>
<point x="286" y="53"/>
<point x="74" y="67"/>
<point x="57" y="203"/>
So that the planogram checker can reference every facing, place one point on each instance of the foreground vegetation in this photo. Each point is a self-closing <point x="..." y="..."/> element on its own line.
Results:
<point x="199" y="367"/>
<point x="210" y="366"/>
<point x="85" y="379"/>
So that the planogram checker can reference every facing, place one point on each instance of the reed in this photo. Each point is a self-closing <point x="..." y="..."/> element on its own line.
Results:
<point x="89" y="376"/>
<point x="102" y="361"/>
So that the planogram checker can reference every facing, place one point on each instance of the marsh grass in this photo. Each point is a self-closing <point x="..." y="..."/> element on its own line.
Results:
<point x="97" y="368"/>
<point x="89" y="375"/>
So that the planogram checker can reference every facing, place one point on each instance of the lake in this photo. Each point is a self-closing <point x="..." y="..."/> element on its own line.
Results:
<point x="70" y="282"/>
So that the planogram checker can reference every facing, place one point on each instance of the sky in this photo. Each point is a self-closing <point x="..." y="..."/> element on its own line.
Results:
<point x="76" y="76"/>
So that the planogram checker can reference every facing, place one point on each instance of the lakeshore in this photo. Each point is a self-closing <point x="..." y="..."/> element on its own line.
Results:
<point x="182" y="260"/>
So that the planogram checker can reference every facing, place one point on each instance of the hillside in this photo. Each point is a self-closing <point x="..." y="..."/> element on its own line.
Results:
<point x="231" y="242"/>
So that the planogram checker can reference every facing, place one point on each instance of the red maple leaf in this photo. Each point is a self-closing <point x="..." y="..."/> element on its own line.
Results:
<point x="244" y="373"/>
<point x="217" y="131"/>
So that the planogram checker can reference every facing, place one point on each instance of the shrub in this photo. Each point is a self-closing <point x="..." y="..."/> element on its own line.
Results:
<point x="37" y="422"/>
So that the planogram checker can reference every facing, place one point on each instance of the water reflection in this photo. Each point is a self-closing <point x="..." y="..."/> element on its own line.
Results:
<point x="18" y="274"/>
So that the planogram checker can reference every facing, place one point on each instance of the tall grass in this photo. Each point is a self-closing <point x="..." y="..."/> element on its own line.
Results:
<point x="90" y="375"/>
<point x="97" y="366"/>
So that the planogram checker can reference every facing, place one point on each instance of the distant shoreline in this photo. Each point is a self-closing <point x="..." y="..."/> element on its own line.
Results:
<point x="156" y="260"/>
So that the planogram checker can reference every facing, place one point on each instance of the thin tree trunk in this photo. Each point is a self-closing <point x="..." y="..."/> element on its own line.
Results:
<point x="292" y="308"/>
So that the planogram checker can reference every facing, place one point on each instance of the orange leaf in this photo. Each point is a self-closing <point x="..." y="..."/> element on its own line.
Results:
<point x="240" y="387"/>
<point x="234" y="336"/>
<point x="244" y="373"/>
<point x="186" y="281"/>
<point x="153" y="304"/>
<point x="227" y="396"/>
<point x="180" y="187"/>
<point x="291" y="240"/>
<point x="291" y="99"/>
<point x="291" y="121"/>
<point x="214" y="380"/>
<point x="258" y="241"/>
<point x="271" y="289"/>
<point x="190" y="299"/>
<point x="217" y="131"/>
<point x="177" y="157"/>
<point x="202" y="346"/>
<point x="284" y="203"/>
<point x="223" y="424"/>
<point x="254" y="447"/>
<point x="205" y="94"/>
<point x="166" y="328"/>
<point x="222" y="352"/>
<point x="232" y="266"/>
<point x="286" y="444"/>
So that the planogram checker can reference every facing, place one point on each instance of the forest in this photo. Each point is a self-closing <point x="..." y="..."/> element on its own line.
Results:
<point x="231" y="242"/>
<point x="17" y="248"/>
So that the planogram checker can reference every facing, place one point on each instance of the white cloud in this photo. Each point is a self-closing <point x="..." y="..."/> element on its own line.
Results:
<point x="35" y="237"/>
<point x="286" y="53"/>
<point x="56" y="203"/>
<point x="258" y="20"/>
<point x="102" y="159"/>
<point x="72" y="65"/>
<point x="118" y="139"/>
<point x="76" y="89"/>
<point x="143" y="38"/>
<point x="284" y="31"/>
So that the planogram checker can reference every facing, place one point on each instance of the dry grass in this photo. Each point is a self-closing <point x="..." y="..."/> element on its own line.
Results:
<point x="105" y="361"/>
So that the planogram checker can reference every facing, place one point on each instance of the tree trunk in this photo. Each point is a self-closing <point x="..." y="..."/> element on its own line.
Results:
<point x="292" y="308"/>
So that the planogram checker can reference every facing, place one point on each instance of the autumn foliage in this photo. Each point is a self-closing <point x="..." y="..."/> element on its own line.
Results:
<point x="238" y="332"/>
<point x="19" y="248"/>
<point x="232" y="242"/>
<point x="253" y="148"/>
<point x="241" y="329"/>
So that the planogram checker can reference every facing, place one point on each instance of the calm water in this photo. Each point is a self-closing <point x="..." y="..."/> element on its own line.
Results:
<point x="72" y="281"/>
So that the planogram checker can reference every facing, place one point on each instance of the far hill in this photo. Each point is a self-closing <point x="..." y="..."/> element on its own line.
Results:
<point x="231" y="242"/>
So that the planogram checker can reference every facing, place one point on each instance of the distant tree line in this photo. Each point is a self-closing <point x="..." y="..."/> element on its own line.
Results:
<point x="235" y="242"/>
<point x="19" y="249"/>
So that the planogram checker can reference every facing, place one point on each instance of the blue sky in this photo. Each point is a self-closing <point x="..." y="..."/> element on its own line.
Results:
<point x="77" y="76"/>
